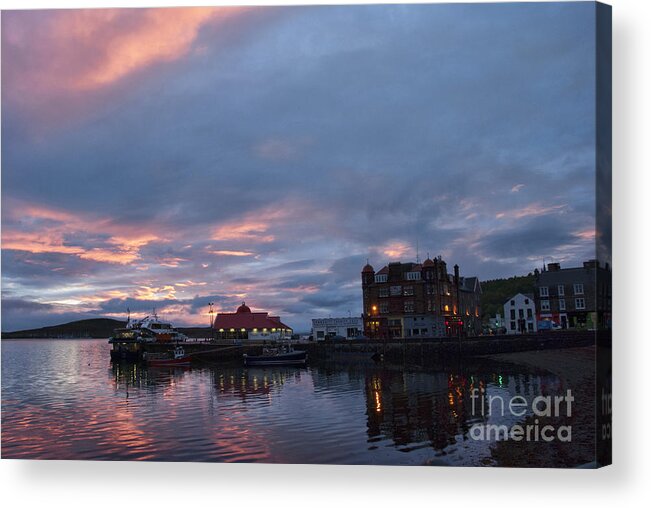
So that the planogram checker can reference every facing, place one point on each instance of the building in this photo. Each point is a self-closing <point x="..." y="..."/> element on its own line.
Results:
<point x="520" y="314"/>
<point x="350" y="327"/>
<point x="413" y="300"/>
<point x="575" y="297"/>
<point x="247" y="325"/>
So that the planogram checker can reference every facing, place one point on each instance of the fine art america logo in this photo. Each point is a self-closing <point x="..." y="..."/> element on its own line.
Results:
<point x="542" y="407"/>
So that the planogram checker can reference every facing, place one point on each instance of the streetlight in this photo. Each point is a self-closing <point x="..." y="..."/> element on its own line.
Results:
<point x="210" y="313"/>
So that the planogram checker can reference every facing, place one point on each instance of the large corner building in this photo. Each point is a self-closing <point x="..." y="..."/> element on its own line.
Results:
<point x="413" y="300"/>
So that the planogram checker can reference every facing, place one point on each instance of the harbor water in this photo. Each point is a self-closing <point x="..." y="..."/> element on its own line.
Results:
<point x="64" y="399"/>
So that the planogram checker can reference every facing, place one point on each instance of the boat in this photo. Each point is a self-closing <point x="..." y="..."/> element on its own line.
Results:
<point x="176" y="358"/>
<point x="127" y="341"/>
<point x="152" y="329"/>
<point x="126" y="345"/>
<point x="278" y="355"/>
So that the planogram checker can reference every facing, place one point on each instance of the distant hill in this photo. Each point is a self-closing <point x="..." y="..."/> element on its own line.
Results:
<point x="93" y="328"/>
<point x="88" y="328"/>
<point x="496" y="292"/>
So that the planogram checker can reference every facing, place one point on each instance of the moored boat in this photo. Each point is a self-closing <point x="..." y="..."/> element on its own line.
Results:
<point x="152" y="329"/>
<point x="176" y="358"/>
<point x="126" y="345"/>
<point x="281" y="355"/>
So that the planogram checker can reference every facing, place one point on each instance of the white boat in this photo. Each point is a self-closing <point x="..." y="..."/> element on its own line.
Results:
<point x="152" y="329"/>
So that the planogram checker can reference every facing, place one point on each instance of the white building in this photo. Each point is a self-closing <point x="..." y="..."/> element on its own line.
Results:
<point x="520" y="314"/>
<point x="350" y="327"/>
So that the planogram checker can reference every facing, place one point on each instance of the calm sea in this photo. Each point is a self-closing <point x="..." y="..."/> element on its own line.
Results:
<point x="63" y="399"/>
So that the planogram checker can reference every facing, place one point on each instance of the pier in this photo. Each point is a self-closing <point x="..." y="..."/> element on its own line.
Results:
<point x="396" y="350"/>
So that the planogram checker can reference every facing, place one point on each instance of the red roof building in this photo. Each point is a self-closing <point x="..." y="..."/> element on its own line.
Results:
<point x="245" y="324"/>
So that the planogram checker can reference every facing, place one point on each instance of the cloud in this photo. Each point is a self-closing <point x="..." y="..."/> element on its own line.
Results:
<point x="266" y="153"/>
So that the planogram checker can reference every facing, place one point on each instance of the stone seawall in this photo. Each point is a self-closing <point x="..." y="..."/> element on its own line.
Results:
<point x="403" y="349"/>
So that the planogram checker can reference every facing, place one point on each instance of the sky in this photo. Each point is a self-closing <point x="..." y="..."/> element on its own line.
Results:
<point x="170" y="158"/>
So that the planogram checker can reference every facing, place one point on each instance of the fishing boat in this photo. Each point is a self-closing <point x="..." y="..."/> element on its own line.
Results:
<point x="176" y="358"/>
<point x="278" y="355"/>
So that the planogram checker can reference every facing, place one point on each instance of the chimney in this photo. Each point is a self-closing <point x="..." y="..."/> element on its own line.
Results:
<point x="456" y="274"/>
<point x="553" y="267"/>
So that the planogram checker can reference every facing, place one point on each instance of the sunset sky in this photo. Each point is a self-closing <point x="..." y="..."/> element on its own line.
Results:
<point x="174" y="157"/>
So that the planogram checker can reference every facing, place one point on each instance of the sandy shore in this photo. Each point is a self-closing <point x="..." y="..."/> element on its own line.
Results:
<point x="575" y="368"/>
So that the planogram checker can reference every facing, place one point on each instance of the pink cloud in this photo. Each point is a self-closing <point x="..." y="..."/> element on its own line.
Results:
<point x="83" y="49"/>
<point x="60" y="66"/>
<point x="532" y="210"/>
<point x="38" y="229"/>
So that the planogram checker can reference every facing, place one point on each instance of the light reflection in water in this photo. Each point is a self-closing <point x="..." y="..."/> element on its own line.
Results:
<point x="62" y="399"/>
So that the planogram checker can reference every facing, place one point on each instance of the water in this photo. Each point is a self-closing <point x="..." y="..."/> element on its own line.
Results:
<point x="63" y="399"/>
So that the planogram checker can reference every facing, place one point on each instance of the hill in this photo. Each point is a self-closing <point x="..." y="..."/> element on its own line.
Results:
<point x="88" y="328"/>
<point x="93" y="328"/>
<point x="496" y="292"/>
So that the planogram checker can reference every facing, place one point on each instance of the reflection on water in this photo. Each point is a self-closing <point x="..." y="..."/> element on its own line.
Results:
<point x="63" y="399"/>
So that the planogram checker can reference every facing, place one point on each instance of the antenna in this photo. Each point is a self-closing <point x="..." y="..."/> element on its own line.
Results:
<point x="417" y="253"/>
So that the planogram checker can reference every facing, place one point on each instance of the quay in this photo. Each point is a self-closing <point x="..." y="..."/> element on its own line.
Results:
<point x="395" y="350"/>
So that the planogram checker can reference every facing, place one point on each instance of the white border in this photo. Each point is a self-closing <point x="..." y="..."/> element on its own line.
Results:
<point x="99" y="484"/>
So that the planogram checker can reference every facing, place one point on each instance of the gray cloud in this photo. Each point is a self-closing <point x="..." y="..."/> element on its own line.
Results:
<point x="366" y="124"/>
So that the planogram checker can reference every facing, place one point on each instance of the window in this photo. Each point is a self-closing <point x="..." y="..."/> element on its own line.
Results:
<point x="423" y="331"/>
<point x="529" y="314"/>
<point x="526" y="301"/>
<point x="561" y="290"/>
<point x="579" y="303"/>
<point x="512" y="303"/>
<point x="512" y="313"/>
<point x="384" y="308"/>
<point x="396" y="290"/>
<point x="352" y="332"/>
<point x="512" y="325"/>
<point x="413" y="275"/>
<point x="520" y="313"/>
<point x="409" y="306"/>
<point x="408" y="290"/>
<point x="415" y="331"/>
<point x="381" y="277"/>
<point x="384" y="292"/>
<point x="544" y="291"/>
<point x="320" y="335"/>
<point x="578" y="289"/>
<point x="544" y="305"/>
<point x="561" y="304"/>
